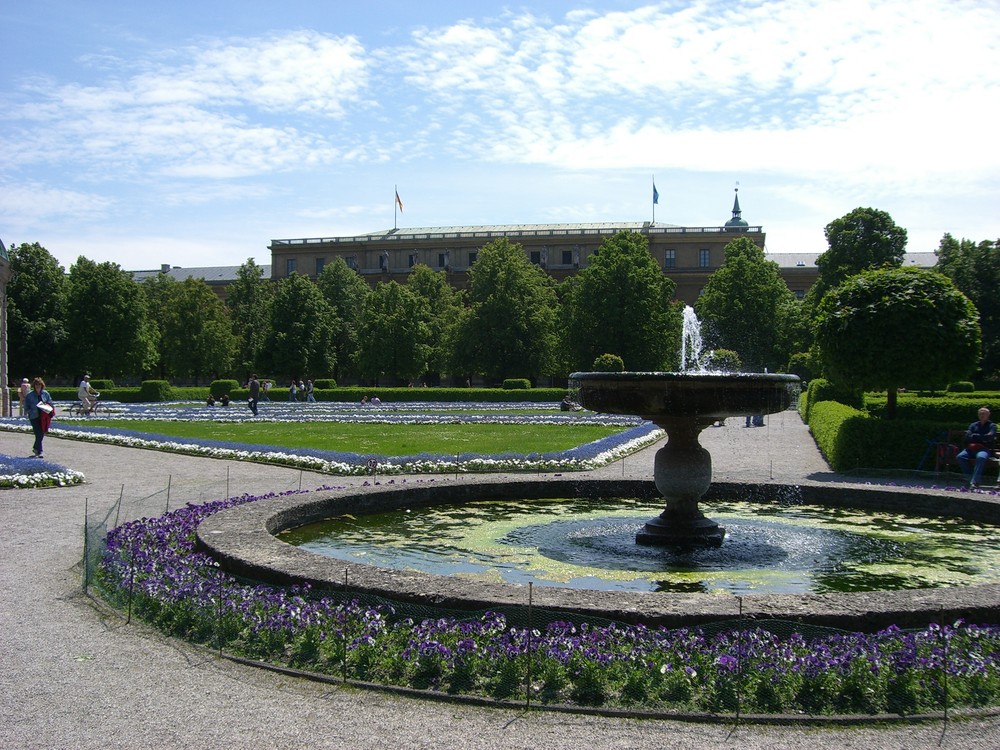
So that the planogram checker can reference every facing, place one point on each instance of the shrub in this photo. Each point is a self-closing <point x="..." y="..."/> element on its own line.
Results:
<point x="962" y="386"/>
<point x="155" y="390"/>
<point x="821" y="389"/>
<point x="609" y="363"/>
<point x="325" y="383"/>
<point x="516" y="384"/>
<point x="220" y="387"/>
<point x="723" y="360"/>
<point x="102" y="384"/>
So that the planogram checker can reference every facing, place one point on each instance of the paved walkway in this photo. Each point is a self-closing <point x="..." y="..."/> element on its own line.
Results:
<point x="72" y="677"/>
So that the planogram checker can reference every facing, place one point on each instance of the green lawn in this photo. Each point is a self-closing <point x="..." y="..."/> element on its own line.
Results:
<point x="385" y="440"/>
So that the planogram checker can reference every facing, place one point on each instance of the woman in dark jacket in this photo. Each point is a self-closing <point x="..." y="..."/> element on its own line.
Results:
<point x="38" y="395"/>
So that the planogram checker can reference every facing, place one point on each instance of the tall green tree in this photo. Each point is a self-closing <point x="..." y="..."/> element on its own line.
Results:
<point x="445" y="306"/>
<point x="744" y="307"/>
<point x="865" y="238"/>
<point x="395" y="334"/>
<point x="510" y="328"/>
<point x="346" y="292"/>
<point x="874" y="331"/>
<point x="300" y="331"/>
<point x="974" y="267"/>
<point x="110" y="334"/>
<point x="36" y="312"/>
<point x="197" y="334"/>
<point x="249" y="301"/>
<point x="621" y="304"/>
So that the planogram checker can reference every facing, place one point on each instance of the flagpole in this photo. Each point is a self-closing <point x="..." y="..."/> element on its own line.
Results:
<point x="655" y="196"/>
<point x="395" y="192"/>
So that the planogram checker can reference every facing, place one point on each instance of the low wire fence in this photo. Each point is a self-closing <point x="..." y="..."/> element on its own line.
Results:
<point x="139" y="557"/>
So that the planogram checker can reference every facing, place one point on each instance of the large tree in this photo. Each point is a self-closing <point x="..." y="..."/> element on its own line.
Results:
<point x="975" y="269"/>
<point x="745" y="307"/>
<point x="897" y="327"/>
<point x="510" y="328"/>
<point x="109" y="330"/>
<point x="36" y="313"/>
<point x="249" y="301"/>
<point x="621" y="304"/>
<point x="445" y="306"/>
<point x="300" y="331"/>
<point x="394" y="334"/>
<point x="346" y="292"/>
<point x="865" y="238"/>
<point x="197" y="334"/>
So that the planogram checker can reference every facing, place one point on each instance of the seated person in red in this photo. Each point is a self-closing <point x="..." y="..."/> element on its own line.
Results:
<point x="980" y="440"/>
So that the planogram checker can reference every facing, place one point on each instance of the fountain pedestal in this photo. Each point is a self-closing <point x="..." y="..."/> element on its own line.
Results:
<point x="683" y="404"/>
<point x="682" y="471"/>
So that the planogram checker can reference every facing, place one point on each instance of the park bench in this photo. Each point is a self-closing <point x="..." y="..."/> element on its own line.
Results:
<point x="947" y="446"/>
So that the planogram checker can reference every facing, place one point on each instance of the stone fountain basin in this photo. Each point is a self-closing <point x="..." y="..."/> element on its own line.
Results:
<point x="243" y="540"/>
<point x="706" y="396"/>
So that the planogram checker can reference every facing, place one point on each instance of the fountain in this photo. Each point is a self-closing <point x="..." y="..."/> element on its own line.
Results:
<point x="683" y="404"/>
<point x="245" y="541"/>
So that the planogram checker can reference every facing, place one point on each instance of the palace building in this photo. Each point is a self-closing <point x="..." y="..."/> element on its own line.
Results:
<point x="688" y="255"/>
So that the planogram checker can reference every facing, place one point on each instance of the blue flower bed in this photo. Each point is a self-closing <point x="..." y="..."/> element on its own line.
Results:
<point x="18" y="473"/>
<point x="638" y="434"/>
<point x="747" y="668"/>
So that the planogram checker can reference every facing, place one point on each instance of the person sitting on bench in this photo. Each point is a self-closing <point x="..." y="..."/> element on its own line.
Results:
<point x="980" y="440"/>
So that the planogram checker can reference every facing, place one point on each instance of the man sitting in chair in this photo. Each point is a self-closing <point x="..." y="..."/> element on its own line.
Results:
<point x="87" y="395"/>
<point x="980" y="439"/>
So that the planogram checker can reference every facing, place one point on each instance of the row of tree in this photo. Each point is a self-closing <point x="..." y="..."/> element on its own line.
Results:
<point x="513" y="320"/>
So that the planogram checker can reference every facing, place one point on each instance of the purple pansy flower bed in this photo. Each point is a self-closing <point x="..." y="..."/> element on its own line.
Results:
<point x="750" y="669"/>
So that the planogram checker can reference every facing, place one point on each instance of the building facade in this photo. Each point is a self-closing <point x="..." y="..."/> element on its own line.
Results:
<point x="688" y="255"/>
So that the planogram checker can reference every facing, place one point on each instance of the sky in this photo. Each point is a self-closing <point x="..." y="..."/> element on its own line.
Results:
<point x="192" y="134"/>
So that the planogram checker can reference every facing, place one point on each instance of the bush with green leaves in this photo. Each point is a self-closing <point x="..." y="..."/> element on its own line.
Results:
<point x="608" y="363"/>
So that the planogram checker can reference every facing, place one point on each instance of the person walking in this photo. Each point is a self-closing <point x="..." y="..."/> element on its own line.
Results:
<point x="291" y="390"/>
<point x="40" y="408"/>
<point x="254" y="386"/>
<point x="310" y="394"/>
<point x="22" y="393"/>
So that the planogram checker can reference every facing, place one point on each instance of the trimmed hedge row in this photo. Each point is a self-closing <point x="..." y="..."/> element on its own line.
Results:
<point x="160" y="390"/>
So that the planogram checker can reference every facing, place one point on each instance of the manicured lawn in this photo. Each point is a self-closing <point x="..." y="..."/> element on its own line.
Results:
<point x="383" y="439"/>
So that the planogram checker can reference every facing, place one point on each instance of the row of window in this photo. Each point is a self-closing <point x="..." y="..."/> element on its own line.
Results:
<point x="538" y="257"/>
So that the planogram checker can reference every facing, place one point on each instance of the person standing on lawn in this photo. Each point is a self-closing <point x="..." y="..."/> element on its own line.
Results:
<point x="254" y="386"/>
<point x="40" y="409"/>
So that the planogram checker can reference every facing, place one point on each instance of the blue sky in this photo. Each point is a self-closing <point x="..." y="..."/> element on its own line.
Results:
<point x="194" y="133"/>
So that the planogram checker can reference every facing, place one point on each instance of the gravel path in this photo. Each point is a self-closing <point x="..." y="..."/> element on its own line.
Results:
<point x="72" y="676"/>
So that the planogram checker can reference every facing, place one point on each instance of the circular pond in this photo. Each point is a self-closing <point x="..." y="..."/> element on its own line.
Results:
<point x="590" y="544"/>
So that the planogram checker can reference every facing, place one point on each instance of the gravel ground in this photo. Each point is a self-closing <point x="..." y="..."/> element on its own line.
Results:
<point x="74" y="676"/>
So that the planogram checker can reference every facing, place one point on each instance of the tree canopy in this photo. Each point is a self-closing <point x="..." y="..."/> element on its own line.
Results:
<point x="109" y="330"/>
<point x="395" y="334"/>
<point x="510" y="328"/>
<point x="36" y="313"/>
<point x="875" y="330"/>
<point x="346" y="292"/>
<point x="621" y="304"/>
<point x="300" y="333"/>
<point x="249" y="301"/>
<point x="975" y="270"/>
<point x="865" y="238"/>
<point x="745" y="307"/>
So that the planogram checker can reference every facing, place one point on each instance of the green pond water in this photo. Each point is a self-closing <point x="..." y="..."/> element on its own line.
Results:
<point x="590" y="544"/>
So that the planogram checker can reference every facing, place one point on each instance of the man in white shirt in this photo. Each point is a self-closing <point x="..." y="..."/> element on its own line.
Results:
<point x="87" y="395"/>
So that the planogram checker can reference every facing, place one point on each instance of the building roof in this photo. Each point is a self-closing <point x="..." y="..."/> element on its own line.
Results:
<point x="211" y="274"/>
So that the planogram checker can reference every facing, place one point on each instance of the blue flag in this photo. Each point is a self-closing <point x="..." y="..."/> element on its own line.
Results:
<point x="656" y="194"/>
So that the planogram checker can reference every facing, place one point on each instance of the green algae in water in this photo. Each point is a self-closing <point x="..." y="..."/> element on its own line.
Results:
<point x="590" y="544"/>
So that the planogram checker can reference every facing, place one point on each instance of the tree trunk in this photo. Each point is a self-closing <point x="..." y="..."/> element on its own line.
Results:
<point x="890" y="403"/>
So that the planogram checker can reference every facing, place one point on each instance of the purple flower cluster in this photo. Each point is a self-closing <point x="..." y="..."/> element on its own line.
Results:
<point x="153" y="564"/>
